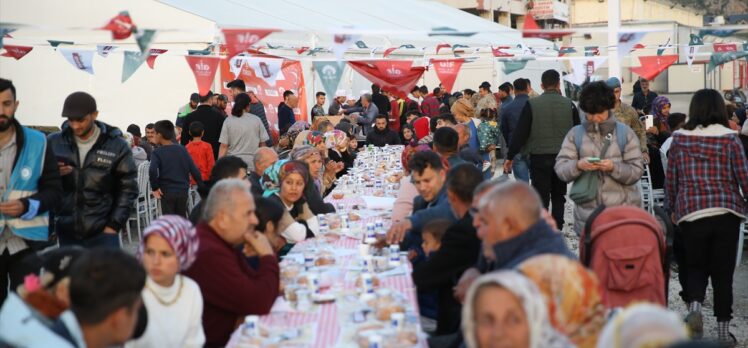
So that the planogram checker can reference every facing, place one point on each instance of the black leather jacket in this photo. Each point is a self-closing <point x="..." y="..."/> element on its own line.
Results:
<point x="101" y="193"/>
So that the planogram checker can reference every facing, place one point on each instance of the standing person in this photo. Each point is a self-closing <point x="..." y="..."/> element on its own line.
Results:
<point x="230" y="288"/>
<point x="505" y="93"/>
<point x="381" y="135"/>
<point x="336" y="106"/>
<point x="170" y="171"/>
<point x="430" y="104"/>
<point x="486" y="100"/>
<point x="380" y="100"/>
<point x="510" y="115"/>
<point x="530" y="92"/>
<point x="149" y="134"/>
<point x="707" y="169"/>
<point x="258" y="109"/>
<point x="368" y="114"/>
<point x="187" y="109"/>
<point x="656" y="136"/>
<point x="212" y="122"/>
<point x="25" y="200"/>
<point x="617" y="171"/>
<point x="138" y="140"/>
<point x="319" y="108"/>
<point x="541" y="129"/>
<point x="169" y="247"/>
<point x="222" y="102"/>
<point x="200" y="151"/>
<point x="286" y="116"/>
<point x="242" y="133"/>
<point x="644" y="98"/>
<point x="627" y="115"/>
<point x="414" y="100"/>
<point x="99" y="176"/>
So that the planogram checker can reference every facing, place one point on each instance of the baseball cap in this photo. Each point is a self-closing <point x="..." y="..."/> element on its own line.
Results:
<point x="134" y="129"/>
<point x="613" y="82"/>
<point x="78" y="104"/>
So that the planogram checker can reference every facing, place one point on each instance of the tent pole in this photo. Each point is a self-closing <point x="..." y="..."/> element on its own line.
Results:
<point x="614" y="24"/>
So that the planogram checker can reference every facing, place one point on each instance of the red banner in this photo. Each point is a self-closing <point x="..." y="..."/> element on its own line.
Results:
<point x="153" y="53"/>
<point x="651" y="66"/>
<point x="447" y="70"/>
<point x="16" y="52"/>
<point x="121" y="26"/>
<point x="271" y="96"/>
<point x="394" y="76"/>
<point x="204" y="68"/>
<point x="240" y="40"/>
<point x="720" y="47"/>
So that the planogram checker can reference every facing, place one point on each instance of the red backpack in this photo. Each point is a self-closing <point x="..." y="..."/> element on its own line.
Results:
<point x="627" y="248"/>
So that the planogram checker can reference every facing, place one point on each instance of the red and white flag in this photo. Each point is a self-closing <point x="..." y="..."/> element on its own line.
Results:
<point x="152" y="54"/>
<point x="204" y="68"/>
<point x="241" y="40"/>
<point x="447" y="70"/>
<point x="82" y="60"/>
<point x="16" y="52"/>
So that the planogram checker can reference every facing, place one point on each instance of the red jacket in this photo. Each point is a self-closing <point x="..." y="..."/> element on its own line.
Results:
<point x="202" y="154"/>
<point x="231" y="289"/>
<point x="430" y="106"/>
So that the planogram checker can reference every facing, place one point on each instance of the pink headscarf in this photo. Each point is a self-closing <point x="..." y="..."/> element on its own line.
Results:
<point x="179" y="233"/>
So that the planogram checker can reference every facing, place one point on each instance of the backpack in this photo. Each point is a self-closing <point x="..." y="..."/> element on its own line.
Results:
<point x="626" y="248"/>
<point x="579" y="132"/>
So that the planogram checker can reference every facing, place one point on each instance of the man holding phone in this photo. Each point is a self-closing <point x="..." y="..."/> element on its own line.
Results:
<point x="29" y="187"/>
<point x="99" y="176"/>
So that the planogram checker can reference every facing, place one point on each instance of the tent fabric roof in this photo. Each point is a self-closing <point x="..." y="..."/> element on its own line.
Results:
<point x="392" y="22"/>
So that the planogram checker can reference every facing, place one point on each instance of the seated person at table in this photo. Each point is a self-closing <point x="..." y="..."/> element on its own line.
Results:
<point x="323" y="177"/>
<point x="231" y="289"/>
<point x="277" y="224"/>
<point x="428" y="298"/>
<point x="264" y="158"/>
<point x="338" y="151"/>
<point x="226" y="167"/>
<point x="382" y="135"/>
<point x="403" y="205"/>
<point x="429" y="173"/>
<point x="284" y="183"/>
<point x="458" y="248"/>
<point x="169" y="246"/>
<point x="446" y="142"/>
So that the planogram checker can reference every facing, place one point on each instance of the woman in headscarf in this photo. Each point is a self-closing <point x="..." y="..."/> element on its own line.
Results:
<point x="656" y="136"/>
<point x="643" y="325"/>
<point x="506" y="309"/>
<point x="422" y="127"/>
<point x="288" y="140"/>
<point x="312" y="157"/>
<point x="285" y="182"/>
<point x="403" y="205"/>
<point x="169" y="247"/>
<point x="338" y="151"/>
<point x="408" y="135"/>
<point x="572" y="295"/>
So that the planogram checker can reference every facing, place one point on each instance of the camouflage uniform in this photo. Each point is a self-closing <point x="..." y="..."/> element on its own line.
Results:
<point x="628" y="116"/>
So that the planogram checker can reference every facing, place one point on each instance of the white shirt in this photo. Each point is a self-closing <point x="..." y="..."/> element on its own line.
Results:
<point x="177" y="325"/>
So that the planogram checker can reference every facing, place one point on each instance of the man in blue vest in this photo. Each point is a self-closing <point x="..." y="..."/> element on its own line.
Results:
<point x="30" y="186"/>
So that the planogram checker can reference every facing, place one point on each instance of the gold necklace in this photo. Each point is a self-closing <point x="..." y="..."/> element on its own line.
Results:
<point x="172" y="301"/>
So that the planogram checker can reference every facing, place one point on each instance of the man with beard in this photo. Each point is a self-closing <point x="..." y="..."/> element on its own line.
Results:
<point x="99" y="176"/>
<point x="29" y="187"/>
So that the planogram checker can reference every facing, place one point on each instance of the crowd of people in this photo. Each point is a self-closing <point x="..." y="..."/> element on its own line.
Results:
<point x="489" y="262"/>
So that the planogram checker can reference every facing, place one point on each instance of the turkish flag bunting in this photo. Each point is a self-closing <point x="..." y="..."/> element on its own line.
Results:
<point x="240" y="40"/>
<point x="16" y="52"/>
<point x="152" y="54"/>
<point x="121" y="26"/>
<point x="531" y="29"/>
<point x="497" y="52"/>
<point x="204" y="68"/>
<point x="394" y="76"/>
<point x="446" y="70"/>
<point x="651" y="66"/>
<point x="720" y="47"/>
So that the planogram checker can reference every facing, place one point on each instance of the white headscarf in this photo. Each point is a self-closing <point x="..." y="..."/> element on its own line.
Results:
<point x="542" y="334"/>
<point x="643" y="325"/>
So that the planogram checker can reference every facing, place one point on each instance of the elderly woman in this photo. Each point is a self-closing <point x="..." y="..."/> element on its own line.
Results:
<point x="593" y="151"/>
<point x="656" y="136"/>
<point x="285" y="182"/>
<point x="506" y="309"/>
<point x="288" y="140"/>
<point x="338" y="150"/>
<point x="169" y="247"/>
<point x="322" y="176"/>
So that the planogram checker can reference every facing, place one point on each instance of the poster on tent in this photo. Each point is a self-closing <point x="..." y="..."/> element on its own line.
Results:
<point x="290" y="78"/>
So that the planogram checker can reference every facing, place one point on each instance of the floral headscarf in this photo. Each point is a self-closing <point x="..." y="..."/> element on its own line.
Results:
<point x="657" y="106"/>
<point x="314" y="138"/>
<point x="179" y="233"/>
<point x="274" y="175"/>
<point x="572" y="294"/>
<point x="542" y="334"/>
<point x="304" y="152"/>
<point x="643" y="325"/>
<point x="299" y="126"/>
<point x="301" y="138"/>
<point x="335" y="139"/>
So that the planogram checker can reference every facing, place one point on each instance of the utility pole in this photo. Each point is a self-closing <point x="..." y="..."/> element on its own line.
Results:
<point x="614" y="24"/>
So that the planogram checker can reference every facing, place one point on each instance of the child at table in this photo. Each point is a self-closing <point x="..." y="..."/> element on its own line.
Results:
<point x="428" y="299"/>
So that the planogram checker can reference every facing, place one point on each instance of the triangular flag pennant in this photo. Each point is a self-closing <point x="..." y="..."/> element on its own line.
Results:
<point x="341" y="42"/>
<point x="637" y="47"/>
<point x="566" y="50"/>
<point x="695" y="40"/>
<point x="531" y="29"/>
<point x="205" y="52"/>
<point x="5" y="32"/>
<point x="330" y="73"/>
<point x="120" y="25"/>
<point x="394" y="76"/>
<point x="447" y="31"/>
<point x="133" y="60"/>
<point x="236" y="64"/>
<point x="457" y="47"/>
<point x="626" y="42"/>
<point x="447" y="70"/>
<point x="104" y="49"/>
<point x="716" y="32"/>
<point x="265" y="68"/>
<point x="360" y="44"/>
<point x="725" y="47"/>
<point x="152" y="54"/>
<point x="662" y="48"/>
<point x="55" y="43"/>
<point x="314" y="51"/>
<point x="651" y="66"/>
<point x="407" y="46"/>
<point x="691" y="54"/>
<point x="82" y="60"/>
<point x="144" y="39"/>
<point x="16" y="52"/>
<point x="591" y="51"/>
<point x="302" y="50"/>
<point x="511" y="66"/>
<point x="204" y="68"/>
<point x="498" y="53"/>
<point x="273" y="47"/>
<point x="371" y="53"/>
<point x="241" y="40"/>
<point x="388" y="51"/>
<point x="718" y="59"/>
<point x="581" y="69"/>
<point x="440" y="46"/>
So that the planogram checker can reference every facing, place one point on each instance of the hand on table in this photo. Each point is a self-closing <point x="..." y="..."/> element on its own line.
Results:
<point x="397" y="231"/>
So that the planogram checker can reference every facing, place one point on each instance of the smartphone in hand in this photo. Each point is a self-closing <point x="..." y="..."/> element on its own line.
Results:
<point x="593" y="159"/>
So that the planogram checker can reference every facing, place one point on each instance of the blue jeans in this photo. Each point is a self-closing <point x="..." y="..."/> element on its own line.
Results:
<point x="521" y="167"/>
<point x="102" y="239"/>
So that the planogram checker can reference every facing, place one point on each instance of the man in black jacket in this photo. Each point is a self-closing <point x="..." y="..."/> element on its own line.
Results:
<point x="286" y="117"/>
<point x="211" y="119"/>
<point x="459" y="250"/>
<point x="99" y="176"/>
<point x="380" y="100"/>
<point x="382" y="135"/>
<point x="29" y="188"/>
